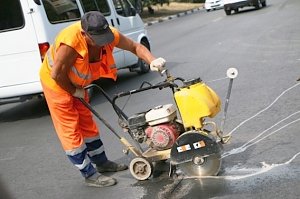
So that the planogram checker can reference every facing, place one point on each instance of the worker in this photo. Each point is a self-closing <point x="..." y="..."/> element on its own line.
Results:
<point x="82" y="53"/>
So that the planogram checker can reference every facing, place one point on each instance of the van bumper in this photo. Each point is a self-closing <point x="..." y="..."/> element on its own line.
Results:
<point x="20" y="93"/>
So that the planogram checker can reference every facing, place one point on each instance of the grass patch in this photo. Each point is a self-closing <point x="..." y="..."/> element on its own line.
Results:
<point x="166" y="10"/>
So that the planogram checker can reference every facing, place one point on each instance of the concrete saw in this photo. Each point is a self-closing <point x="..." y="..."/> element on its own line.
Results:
<point x="177" y="132"/>
<point x="196" y="154"/>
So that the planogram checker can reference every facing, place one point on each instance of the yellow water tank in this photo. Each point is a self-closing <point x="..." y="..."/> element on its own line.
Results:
<point x="196" y="101"/>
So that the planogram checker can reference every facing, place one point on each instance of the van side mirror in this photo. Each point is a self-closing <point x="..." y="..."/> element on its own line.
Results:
<point x="132" y="11"/>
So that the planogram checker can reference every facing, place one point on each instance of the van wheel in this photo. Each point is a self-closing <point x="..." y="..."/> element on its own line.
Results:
<point x="258" y="5"/>
<point x="142" y="66"/>
<point x="228" y="12"/>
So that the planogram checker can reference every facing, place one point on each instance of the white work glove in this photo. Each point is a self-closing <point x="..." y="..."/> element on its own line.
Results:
<point x="157" y="64"/>
<point x="79" y="92"/>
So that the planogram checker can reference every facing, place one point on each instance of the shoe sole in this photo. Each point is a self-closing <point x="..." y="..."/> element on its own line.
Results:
<point x="107" y="184"/>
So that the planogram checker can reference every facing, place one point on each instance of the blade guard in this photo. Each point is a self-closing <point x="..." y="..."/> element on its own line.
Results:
<point x="191" y="144"/>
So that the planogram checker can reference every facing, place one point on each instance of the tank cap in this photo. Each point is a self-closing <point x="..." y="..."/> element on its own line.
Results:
<point x="190" y="82"/>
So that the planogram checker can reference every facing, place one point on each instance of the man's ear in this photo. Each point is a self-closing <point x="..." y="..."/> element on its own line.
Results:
<point x="83" y="33"/>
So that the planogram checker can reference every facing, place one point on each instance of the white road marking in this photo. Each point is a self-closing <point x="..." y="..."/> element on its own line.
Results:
<point x="261" y="111"/>
<point x="265" y="168"/>
<point x="217" y="19"/>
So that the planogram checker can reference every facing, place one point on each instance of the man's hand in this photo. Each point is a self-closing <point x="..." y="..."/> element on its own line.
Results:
<point x="79" y="93"/>
<point x="157" y="64"/>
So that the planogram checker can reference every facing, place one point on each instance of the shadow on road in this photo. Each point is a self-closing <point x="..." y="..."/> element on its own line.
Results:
<point x="26" y="110"/>
<point x="5" y="194"/>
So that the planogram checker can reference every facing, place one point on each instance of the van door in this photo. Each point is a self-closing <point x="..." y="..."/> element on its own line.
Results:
<point x="107" y="10"/>
<point x="19" y="47"/>
<point x="130" y="24"/>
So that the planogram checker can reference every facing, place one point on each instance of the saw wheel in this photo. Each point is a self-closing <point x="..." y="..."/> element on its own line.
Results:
<point x="202" y="166"/>
<point x="141" y="168"/>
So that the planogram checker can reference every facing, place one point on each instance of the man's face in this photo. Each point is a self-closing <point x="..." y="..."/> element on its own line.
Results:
<point x="89" y="40"/>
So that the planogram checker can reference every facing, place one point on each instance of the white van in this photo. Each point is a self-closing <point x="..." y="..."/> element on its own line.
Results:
<point x="28" y="27"/>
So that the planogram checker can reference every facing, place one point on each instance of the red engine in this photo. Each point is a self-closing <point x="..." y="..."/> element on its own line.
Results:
<point x="163" y="136"/>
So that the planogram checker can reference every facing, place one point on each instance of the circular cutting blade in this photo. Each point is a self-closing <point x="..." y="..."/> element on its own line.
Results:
<point x="202" y="166"/>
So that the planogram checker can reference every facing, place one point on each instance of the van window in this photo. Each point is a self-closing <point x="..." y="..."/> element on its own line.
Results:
<point x="124" y="8"/>
<point x="59" y="11"/>
<point x="9" y="21"/>
<point x="96" y="5"/>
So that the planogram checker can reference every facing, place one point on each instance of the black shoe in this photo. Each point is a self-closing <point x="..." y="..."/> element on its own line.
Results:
<point x="110" y="166"/>
<point x="100" y="181"/>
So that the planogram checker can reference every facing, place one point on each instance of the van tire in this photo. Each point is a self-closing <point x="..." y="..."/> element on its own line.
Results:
<point x="142" y="66"/>
<point x="228" y="12"/>
<point x="258" y="5"/>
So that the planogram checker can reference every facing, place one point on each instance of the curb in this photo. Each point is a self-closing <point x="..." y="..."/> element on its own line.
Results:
<point x="172" y="16"/>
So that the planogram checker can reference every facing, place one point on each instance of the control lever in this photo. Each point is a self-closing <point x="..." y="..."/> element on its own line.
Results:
<point x="231" y="73"/>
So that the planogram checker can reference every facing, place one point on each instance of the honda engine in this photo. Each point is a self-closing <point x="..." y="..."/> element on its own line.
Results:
<point x="157" y="127"/>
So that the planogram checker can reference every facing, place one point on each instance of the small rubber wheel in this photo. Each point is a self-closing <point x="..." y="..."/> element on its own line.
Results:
<point x="140" y="168"/>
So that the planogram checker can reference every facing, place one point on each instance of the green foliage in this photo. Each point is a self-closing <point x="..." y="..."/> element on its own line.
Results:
<point x="190" y="1"/>
<point x="198" y="1"/>
<point x="141" y="4"/>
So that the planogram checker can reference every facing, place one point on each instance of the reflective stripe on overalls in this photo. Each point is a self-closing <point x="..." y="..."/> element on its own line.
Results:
<point x="84" y="77"/>
<point x="73" y="122"/>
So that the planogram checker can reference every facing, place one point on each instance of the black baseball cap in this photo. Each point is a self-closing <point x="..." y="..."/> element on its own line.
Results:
<point x="95" y="24"/>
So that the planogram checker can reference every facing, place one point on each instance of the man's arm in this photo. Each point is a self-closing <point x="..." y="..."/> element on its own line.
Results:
<point x="138" y="49"/>
<point x="156" y="64"/>
<point x="64" y="60"/>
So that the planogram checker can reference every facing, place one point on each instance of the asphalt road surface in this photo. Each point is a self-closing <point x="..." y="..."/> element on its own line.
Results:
<point x="262" y="159"/>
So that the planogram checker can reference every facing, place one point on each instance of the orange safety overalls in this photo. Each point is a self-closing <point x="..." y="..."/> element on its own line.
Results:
<point x="73" y="122"/>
